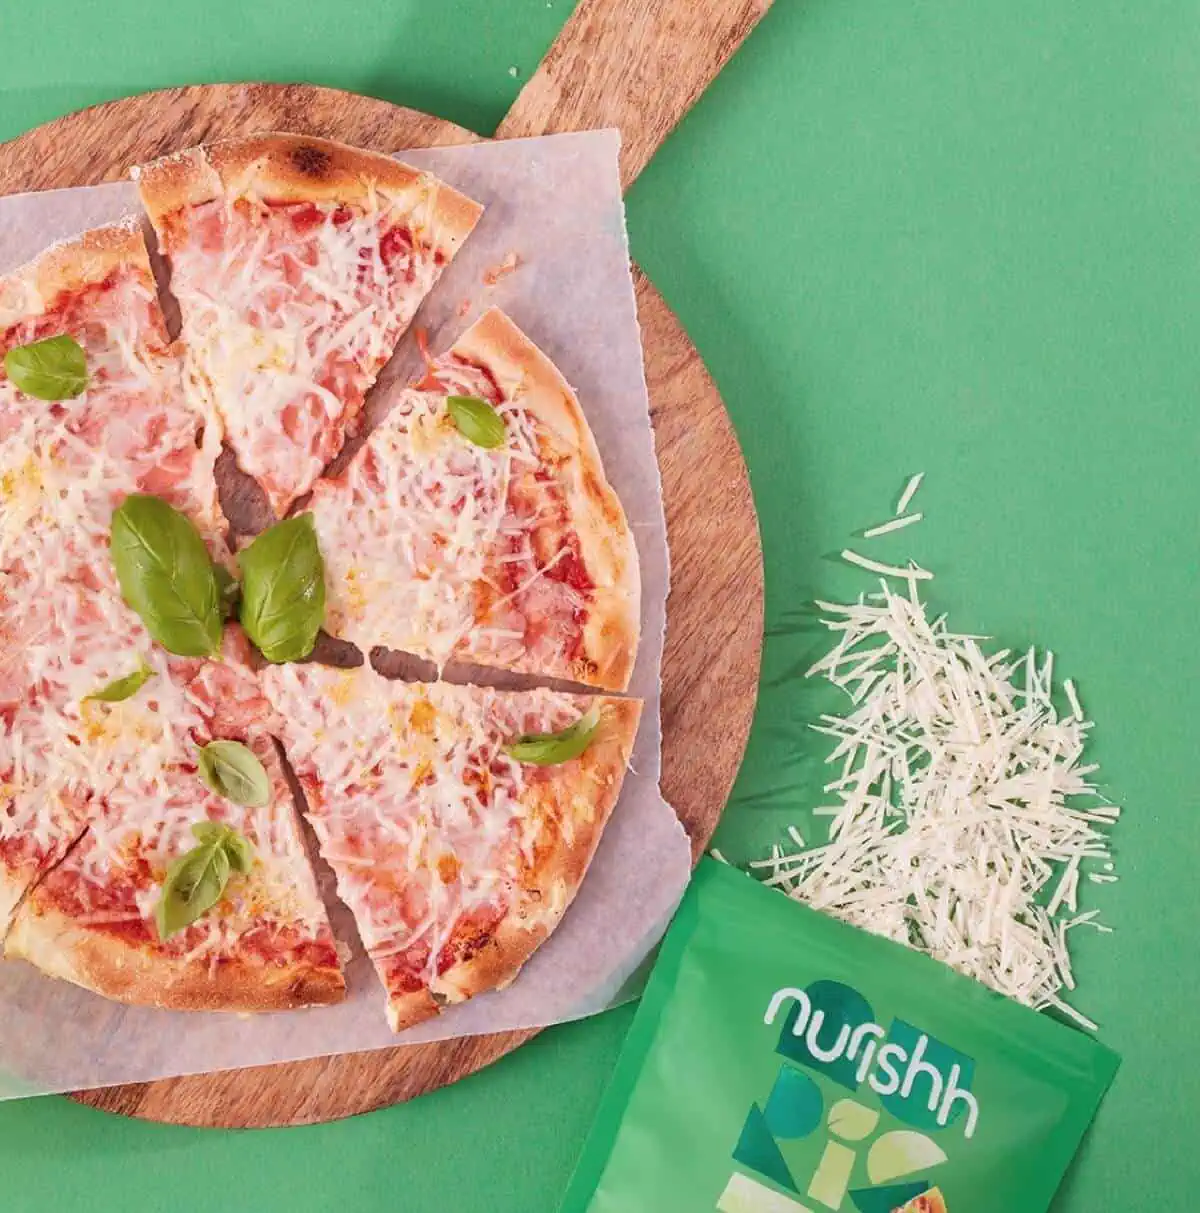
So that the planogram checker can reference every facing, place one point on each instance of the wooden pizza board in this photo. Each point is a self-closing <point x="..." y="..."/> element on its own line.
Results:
<point x="634" y="64"/>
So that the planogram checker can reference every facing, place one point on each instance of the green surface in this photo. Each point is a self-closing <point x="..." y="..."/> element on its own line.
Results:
<point x="954" y="236"/>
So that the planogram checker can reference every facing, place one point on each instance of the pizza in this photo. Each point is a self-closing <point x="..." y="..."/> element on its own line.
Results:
<point x="928" y="1202"/>
<point x="64" y="465"/>
<point x="90" y="919"/>
<point x="297" y="264"/>
<point x="456" y="858"/>
<point x="265" y="946"/>
<point x="514" y="555"/>
<point x="150" y="848"/>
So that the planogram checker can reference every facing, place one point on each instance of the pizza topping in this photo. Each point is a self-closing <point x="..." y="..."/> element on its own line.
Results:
<point x="166" y="575"/>
<point x="233" y="771"/>
<point x="452" y="549"/>
<point x="290" y="309"/>
<point x="196" y="880"/>
<point x="551" y="749"/>
<point x="477" y="421"/>
<point x="435" y="832"/>
<point x="283" y="590"/>
<point x="124" y="688"/>
<point x="54" y="368"/>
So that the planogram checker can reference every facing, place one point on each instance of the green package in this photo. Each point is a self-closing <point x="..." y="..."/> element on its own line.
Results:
<point x="783" y="1062"/>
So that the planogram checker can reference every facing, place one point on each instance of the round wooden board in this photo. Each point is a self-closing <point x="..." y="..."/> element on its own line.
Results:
<point x="714" y="631"/>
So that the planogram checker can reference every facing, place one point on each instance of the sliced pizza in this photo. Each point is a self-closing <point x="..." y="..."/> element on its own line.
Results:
<point x="96" y="917"/>
<point x="459" y="820"/>
<point x="91" y="409"/>
<point x="91" y="406"/>
<point x="297" y="264"/>
<point x="476" y="523"/>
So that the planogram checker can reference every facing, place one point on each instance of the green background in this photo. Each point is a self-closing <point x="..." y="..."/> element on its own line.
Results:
<point x="955" y="236"/>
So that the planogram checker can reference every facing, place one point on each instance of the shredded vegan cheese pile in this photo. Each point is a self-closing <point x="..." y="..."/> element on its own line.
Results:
<point x="964" y="810"/>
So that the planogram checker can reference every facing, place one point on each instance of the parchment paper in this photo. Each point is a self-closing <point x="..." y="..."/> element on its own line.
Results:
<point x="556" y="203"/>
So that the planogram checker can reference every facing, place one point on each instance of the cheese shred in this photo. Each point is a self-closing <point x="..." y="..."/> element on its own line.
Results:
<point x="963" y="814"/>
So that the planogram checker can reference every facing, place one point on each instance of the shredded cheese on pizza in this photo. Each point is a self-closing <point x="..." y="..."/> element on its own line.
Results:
<point x="118" y="780"/>
<point x="64" y="466"/>
<point x="442" y="548"/>
<point x="289" y="312"/>
<point x="429" y="826"/>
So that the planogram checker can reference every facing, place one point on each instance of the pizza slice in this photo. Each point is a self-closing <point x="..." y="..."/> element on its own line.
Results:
<point x="476" y="523"/>
<point x="457" y="854"/>
<point x="94" y="918"/>
<point x="91" y="409"/>
<point x="91" y="406"/>
<point x="297" y="264"/>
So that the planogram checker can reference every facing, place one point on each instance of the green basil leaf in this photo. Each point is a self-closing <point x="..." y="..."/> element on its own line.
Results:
<point x="239" y="851"/>
<point x="550" y="749"/>
<point x="166" y="575"/>
<point x="477" y="421"/>
<point x="52" y="369"/>
<point x="123" y="688"/>
<point x="229" y="592"/>
<point x="210" y="833"/>
<point x="193" y="885"/>
<point x="283" y="590"/>
<point x="233" y="771"/>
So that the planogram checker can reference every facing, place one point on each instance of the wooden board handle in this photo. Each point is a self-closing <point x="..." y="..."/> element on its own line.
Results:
<point x="638" y="65"/>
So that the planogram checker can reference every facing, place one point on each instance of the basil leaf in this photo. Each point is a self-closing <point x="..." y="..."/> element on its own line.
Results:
<point x="477" y="421"/>
<point x="166" y="575"/>
<point x="233" y="771"/>
<point x="123" y="688"/>
<point x="229" y="592"/>
<point x="209" y="832"/>
<point x="239" y="851"/>
<point x="193" y="885"/>
<point x="52" y="369"/>
<point x="550" y="749"/>
<point x="283" y="590"/>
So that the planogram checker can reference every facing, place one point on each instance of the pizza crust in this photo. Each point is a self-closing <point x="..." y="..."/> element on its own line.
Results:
<point x="411" y="1008"/>
<point x="297" y="168"/>
<point x="126" y="972"/>
<point x="71" y="265"/>
<point x="607" y="548"/>
<point x="553" y="883"/>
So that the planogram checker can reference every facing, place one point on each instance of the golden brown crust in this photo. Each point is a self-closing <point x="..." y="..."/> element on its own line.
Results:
<point x="14" y="884"/>
<point x="606" y="543"/>
<point x="550" y="888"/>
<point x="280" y="167"/>
<point x="129" y="973"/>
<point x="406" y="1010"/>
<point x="71" y="265"/>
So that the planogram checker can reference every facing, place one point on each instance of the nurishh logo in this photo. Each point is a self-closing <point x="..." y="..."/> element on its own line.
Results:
<point x="815" y="1144"/>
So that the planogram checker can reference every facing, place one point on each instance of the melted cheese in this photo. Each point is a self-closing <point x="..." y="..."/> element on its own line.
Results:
<point x="289" y="312"/>
<point x="122" y="775"/>
<point x="438" y="547"/>
<point x="427" y="824"/>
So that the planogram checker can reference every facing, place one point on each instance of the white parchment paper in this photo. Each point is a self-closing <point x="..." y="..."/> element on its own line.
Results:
<point x="554" y="203"/>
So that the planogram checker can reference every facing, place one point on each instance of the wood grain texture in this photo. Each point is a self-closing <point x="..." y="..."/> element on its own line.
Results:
<point x="638" y="65"/>
<point x="714" y="628"/>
